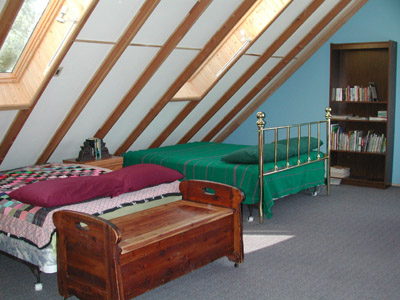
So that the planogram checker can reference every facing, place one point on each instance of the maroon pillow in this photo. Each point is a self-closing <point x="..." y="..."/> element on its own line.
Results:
<point x="63" y="191"/>
<point x="140" y="176"/>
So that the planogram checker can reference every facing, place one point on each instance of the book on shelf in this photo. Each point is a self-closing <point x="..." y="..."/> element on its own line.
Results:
<point x="96" y="145"/>
<point x="340" y="117"/>
<point x="355" y="93"/>
<point x="372" y="88"/>
<point x="377" y="118"/>
<point x="340" y="171"/>
<point x="357" y="140"/>
<point x="348" y="117"/>
<point x="335" y="181"/>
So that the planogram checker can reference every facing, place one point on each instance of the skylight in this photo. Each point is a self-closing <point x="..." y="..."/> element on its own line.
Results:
<point x="257" y="20"/>
<point x="20" y="33"/>
<point x="57" y="24"/>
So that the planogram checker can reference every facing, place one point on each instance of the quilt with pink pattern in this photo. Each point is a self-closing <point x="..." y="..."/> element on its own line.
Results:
<point x="34" y="223"/>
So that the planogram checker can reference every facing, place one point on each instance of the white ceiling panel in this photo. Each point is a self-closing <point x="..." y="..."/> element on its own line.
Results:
<point x="156" y="127"/>
<point x="211" y="20"/>
<point x="149" y="96"/>
<point x="109" y="94"/>
<point x="56" y="101"/>
<point x="109" y="20"/>
<point x="163" y="21"/>
<point x="239" y="95"/>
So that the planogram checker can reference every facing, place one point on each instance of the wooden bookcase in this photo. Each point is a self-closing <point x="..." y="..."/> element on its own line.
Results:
<point x="358" y="64"/>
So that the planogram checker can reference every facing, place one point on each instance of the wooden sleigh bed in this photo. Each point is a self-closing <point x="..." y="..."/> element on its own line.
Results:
<point x="27" y="231"/>
<point x="288" y="162"/>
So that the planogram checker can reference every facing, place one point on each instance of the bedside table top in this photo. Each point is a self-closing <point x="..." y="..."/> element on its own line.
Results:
<point x="113" y="162"/>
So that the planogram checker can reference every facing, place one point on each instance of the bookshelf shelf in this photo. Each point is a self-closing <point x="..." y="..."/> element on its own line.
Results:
<point x="362" y="98"/>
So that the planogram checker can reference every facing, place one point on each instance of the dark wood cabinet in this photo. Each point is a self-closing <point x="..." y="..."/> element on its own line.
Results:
<point x="364" y="137"/>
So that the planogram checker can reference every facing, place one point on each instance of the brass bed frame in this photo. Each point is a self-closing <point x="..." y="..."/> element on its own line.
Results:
<point x="324" y="157"/>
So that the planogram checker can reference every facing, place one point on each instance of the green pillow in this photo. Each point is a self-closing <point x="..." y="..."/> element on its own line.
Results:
<point x="249" y="155"/>
<point x="293" y="144"/>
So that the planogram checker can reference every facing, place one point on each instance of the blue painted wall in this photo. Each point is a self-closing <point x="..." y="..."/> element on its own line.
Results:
<point x="306" y="94"/>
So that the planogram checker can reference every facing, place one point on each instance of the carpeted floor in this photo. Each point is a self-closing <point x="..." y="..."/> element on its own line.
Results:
<point x="345" y="246"/>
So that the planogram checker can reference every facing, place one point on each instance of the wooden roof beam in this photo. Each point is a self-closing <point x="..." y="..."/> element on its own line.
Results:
<point x="322" y="39"/>
<point x="323" y="23"/>
<point x="101" y="73"/>
<point x="191" y="105"/>
<point x="157" y="61"/>
<point x="186" y="74"/>
<point x="307" y="12"/>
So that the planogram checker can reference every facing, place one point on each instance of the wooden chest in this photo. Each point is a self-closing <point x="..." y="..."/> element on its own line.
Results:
<point x="129" y="255"/>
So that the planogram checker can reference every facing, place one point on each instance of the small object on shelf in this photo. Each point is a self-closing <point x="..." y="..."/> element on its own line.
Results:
<point x="335" y="181"/>
<point x="382" y="113"/>
<point x="374" y="95"/>
<point x="340" y="171"/>
<point x="377" y="118"/>
<point x="92" y="149"/>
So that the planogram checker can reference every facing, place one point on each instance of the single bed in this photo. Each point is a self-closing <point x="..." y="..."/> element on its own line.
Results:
<point x="27" y="230"/>
<point x="289" y="162"/>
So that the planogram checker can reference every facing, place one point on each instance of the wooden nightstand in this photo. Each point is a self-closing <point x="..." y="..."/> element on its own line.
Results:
<point x="113" y="163"/>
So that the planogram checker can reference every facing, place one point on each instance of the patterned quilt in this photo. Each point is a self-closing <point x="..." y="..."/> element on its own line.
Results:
<point x="34" y="223"/>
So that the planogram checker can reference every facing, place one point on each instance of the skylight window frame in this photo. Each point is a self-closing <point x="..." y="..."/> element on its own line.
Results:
<point x="23" y="92"/>
<point x="40" y="31"/>
<point x="209" y="73"/>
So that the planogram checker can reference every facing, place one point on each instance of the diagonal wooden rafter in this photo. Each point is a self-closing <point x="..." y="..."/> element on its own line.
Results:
<point x="187" y="73"/>
<point x="323" y="23"/>
<point x="157" y="61"/>
<point x="23" y="115"/>
<point x="290" y="30"/>
<point x="189" y="107"/>
<point x="289" y="72"/>
<point x="123" y="42"/>
<point x="7" y="17"/>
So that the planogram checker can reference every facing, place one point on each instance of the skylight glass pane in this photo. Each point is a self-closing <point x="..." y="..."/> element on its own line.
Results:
<point x="20" y="33"/>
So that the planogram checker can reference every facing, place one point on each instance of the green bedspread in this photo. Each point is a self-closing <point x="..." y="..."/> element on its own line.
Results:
<point x="202" y="160"/>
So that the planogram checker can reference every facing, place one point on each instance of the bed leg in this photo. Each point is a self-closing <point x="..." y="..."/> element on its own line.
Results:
<point x="36" y="271"/>
<point x="250" y="218"/>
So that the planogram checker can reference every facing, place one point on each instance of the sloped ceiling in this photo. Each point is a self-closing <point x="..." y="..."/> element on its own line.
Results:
<point x="123" y="93"/>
